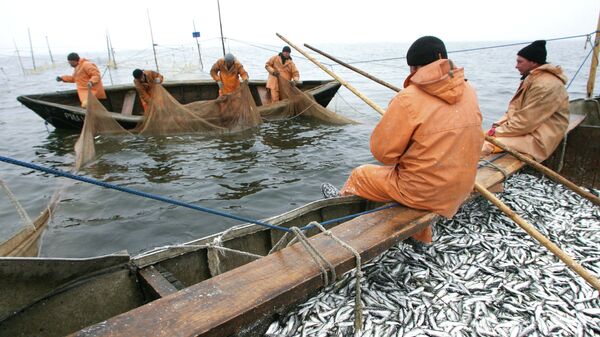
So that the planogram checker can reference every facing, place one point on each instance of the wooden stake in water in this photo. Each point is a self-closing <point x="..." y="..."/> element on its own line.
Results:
<point x="198" y="45"/>
<point x="31" y="47"/>
<point x="108" y="51"/>
<point x="19" y="57"/>
<point x="594" y="65"/>
<point x="221" y="26"/>
<point x="49" y="51"/>
<point x="152" y="37"/>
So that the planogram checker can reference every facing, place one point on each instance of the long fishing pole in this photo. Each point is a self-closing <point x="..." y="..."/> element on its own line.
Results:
<point x="554" y="249"/>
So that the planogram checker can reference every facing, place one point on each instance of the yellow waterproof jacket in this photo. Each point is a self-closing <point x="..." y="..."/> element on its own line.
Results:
<point x="286" y="70"/>
<point x="429" y="139"/>
<point x="229" y="76"/>
<point x="85" y="72"/>
<point x="538" y="114"/>
<point x="144" y="88"/>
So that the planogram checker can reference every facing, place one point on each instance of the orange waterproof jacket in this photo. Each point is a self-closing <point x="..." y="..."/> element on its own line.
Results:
<point x="286" y="70"/>
<point x="430" y="139"/>
<point x="144" y="88"/>
<point x="229" y="76"/>
<point x="538" y="114"/>
<point x="85" y="72"/>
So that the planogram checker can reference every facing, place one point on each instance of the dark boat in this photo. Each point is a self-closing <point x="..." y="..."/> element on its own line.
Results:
<point x="197" y="288"/>
<point x="62" y="109"/>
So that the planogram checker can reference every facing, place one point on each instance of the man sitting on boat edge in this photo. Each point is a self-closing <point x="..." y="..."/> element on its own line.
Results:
<point x="85" y="74"/>
<point x="538" y="114"/>
<point x="227" y="72"/>
<point x="429" y="139"/>
<point x="144" y="81"/>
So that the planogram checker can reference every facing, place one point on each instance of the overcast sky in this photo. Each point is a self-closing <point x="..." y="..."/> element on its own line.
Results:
<point x="82" y="25"/>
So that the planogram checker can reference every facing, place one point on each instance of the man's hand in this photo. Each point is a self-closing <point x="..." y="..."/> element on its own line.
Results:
<point x="157" y="80"/>
<point x="220" y="84"/>
<point x="492" y="132"/>
<point x="275" y="73"/>
<point x="58" y="79"/>
<point x="90" y="84"/>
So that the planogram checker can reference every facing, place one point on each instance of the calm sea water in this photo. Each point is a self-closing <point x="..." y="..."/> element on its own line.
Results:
<point x="257" y="174"/>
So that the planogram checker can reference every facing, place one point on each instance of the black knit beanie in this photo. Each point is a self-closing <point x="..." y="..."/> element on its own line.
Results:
<point x="286" y="48"/>
<point x="535" y="52"/>
<point x="425" y="50"/>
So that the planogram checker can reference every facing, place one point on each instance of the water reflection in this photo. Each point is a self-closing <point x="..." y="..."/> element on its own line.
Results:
<point x="295" y="133"/>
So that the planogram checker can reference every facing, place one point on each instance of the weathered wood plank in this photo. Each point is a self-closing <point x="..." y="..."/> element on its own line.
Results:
<point x="156" y="282"/>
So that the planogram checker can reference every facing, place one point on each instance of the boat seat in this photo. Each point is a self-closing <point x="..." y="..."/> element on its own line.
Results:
<point x="264" y="97"/>
<point x="128" y="103"/>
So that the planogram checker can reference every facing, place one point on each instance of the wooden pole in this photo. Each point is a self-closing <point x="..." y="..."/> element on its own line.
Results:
<point x="338" y="78"/>
<point x="112" y="52"/>
<point x="152" y="37"/>
<point x="594" y="66"/>
<point x="221" y="26"/>
<point x="526" y="226"/>
<point x="564" y="257"/>
<point x="19" y="57"/>
<point x="108" y="51"/>
<point x="548" y="172"/>
<point x="198" y="45"/>
<point x="49" y="51"/>
<point x="31" y="48"/>
<point x="365" y="74"/>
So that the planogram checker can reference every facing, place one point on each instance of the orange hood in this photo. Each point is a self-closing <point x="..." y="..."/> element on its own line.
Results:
<point x="440" y="79"/>
<point x="551" y="69"/>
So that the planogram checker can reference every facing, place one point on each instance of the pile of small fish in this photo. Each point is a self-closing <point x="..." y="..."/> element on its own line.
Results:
<point x="482" y="276"/>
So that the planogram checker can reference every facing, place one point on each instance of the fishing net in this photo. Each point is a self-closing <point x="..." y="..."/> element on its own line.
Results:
<point x="295" y="102"/>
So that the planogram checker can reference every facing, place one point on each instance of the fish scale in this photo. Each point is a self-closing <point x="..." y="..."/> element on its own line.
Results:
<point x="482" y="275"/>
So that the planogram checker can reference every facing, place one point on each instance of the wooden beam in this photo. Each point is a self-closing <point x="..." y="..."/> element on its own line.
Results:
<point x="156" y="282"/>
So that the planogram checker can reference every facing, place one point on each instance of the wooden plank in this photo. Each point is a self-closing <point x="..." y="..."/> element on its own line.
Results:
<point x="224" y="304"/>
<point x="128" y="103"/>
<point x="156" y="282"/>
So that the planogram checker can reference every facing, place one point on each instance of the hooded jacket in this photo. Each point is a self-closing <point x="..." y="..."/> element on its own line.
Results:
<point x="144" y="88"/>
<point x="286" y="70"/>
<point x="84" y="72"/>
<point x="429" y="139"/>
<point x="538" y="114"/>
<point x="229" y="76"/>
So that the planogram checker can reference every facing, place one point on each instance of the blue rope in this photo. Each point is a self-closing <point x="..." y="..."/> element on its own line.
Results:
<point x="581" y="66"/>
<point x="96" y="182"/>
<point x="65" y="174"/>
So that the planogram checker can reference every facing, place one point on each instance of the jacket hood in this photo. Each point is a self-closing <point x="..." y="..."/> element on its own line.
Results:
<point x="552" y="69"/>
<point x="440" y="79"/>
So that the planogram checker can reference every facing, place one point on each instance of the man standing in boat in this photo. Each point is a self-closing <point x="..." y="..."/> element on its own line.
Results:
<point x="144" y="81"/>
<point x="281" y="66"/>
<point x="538" y="114"/>
<point x="428" y="140"/>
<point x="227" y="72"/>
<point x="85" y="74"/>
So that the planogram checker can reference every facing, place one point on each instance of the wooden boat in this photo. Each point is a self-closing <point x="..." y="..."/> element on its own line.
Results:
<point x="184" y="291"/>
<point x="62" y="109"/>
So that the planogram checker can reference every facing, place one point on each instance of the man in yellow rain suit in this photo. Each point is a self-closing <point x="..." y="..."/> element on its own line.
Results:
<point x="428" y="140"/>
<point x="85" y="74"/>
<point x="538" y="114"/>
<point x="144" y="81"/>
<point x="281" y="65"/>
<point x="227" y="72"/>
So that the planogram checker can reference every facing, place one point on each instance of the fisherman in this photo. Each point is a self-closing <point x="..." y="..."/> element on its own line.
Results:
<point x="85" y="74"/>
<point x="144" y="81"/>
<point x="281" y="65"/>
<point x="538" y="114"/>
<point x="428" y="140"/>
<point x="227" y="72"/>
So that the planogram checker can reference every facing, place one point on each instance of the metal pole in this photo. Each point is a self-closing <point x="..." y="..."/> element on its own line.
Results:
<point x="152" y="37"/>
<point x="221" y="26"/>
<point x="594" y="66"/>
<point x="198" y="45"/>
<point x="19" y="57"/>
<point x="31" y="47"/>
<point x="49" y="51"/>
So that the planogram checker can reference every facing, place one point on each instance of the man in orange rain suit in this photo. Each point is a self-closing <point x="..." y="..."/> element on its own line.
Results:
<point x="85" y="73"/>
<point x="281" y="65"/>
<point x="538" y="114"/>
<point x="429" y="139"/>
<point x="144" y="81"/>
<point x="227" y="72"/>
